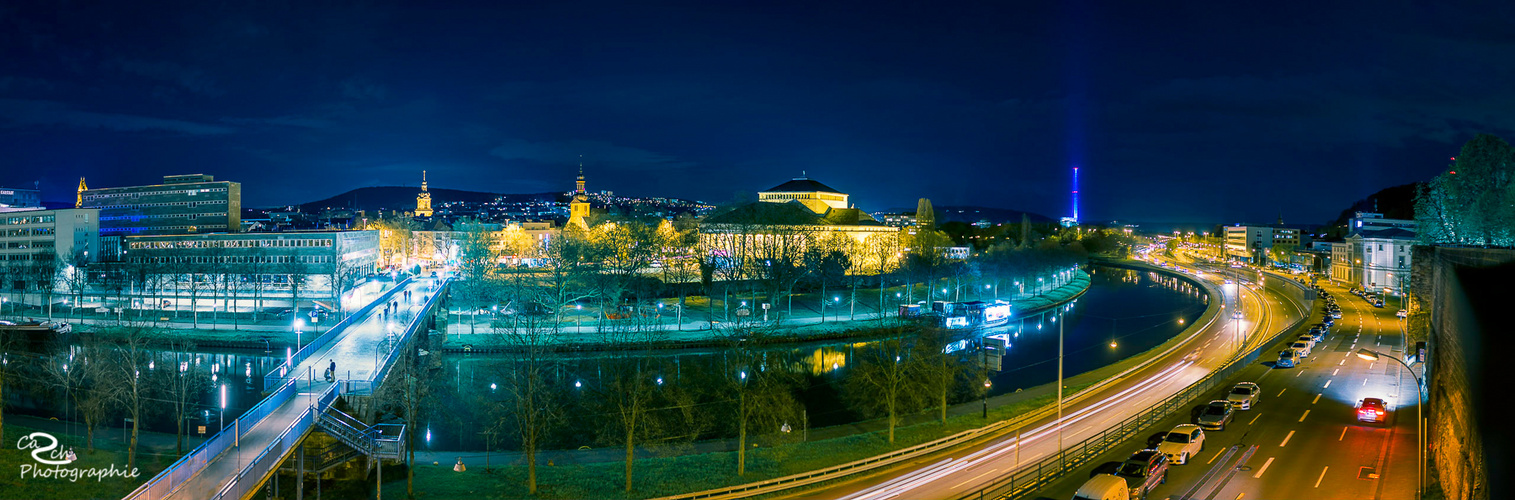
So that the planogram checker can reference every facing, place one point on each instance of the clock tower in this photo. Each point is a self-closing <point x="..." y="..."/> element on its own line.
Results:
<point x="423" y="200"/>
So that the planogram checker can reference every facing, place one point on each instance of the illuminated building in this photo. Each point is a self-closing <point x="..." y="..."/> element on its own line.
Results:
<point x="578" y="209"/>
<point x="423" y="199"/>
<point x="20" y="198"/>
<point x="790" y="218"/>
<point x="183" y="204"/>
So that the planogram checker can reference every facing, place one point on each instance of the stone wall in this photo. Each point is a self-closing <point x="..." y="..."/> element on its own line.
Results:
<point x="1464" y="290"/>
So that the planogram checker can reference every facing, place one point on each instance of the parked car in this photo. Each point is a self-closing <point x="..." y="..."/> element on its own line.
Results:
<point x="1328" y="321"/>
<point x="1301" y="349"/>
<point x="1371" y="410"/>
<point x="1244" y="395"/>
<point x="1184" y="441"/>
<point x="1144" y="471"/>
<point x="1337" y="313"/>
<point x="1306" y="338"/>
<point x="1378" y="303"/>
<point x="1104" y="487"/>
<point x="1402" y="313"/>
<point x="1285" y="359"/>
<point x="1217" y="414"/>
<point x="1108" y="467"/>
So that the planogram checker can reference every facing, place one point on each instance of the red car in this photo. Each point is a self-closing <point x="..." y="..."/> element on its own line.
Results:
<point x="1371" y="410"/>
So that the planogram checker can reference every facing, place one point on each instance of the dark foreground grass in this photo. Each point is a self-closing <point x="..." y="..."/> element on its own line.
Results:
<point x="15" y="485"/>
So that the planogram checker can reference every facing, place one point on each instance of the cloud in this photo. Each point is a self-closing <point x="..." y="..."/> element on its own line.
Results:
<point x="283" y="121"/>
<point x="594" y="153"/>
<point x="192" y="80"/>
<point x="26" y="112"/>
<point x="360" y="88"/>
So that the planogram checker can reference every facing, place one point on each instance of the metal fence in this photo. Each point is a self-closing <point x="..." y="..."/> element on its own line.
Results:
<point x="281" y="372"/>
<point x="1031" y="477"/>
<point x="186" y="467"/>
<point x="252" y="476"/>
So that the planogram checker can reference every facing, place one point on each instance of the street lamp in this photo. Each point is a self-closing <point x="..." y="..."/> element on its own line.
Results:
<point x="1372" y="355"/>
<point x="299" y="324"/>
<point x="986" y="396"/>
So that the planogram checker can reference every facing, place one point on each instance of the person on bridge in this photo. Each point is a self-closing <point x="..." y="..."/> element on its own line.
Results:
<point x="331" y="371"/>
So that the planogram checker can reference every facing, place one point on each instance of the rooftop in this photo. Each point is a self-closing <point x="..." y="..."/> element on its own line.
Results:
<point x="801" y="185"/>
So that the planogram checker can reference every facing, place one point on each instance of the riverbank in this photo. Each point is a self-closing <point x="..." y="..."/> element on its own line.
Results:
<point x="587" y="338"/>
<point x="663" y="471"/>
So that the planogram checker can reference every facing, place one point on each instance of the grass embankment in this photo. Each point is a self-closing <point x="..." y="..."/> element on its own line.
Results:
<point x="16" y="485"/>
<point x="656" y="477"/>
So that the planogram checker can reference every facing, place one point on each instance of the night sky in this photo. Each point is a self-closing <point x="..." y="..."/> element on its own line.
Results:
<point x="1215" y="112"/>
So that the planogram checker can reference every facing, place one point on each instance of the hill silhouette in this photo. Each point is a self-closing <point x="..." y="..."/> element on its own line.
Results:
<point x="404" y="198"/>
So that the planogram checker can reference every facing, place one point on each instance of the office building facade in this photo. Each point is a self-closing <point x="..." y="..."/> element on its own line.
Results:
<point x="20" y="198"/>
<point x="211" y="269"/>
<point x="182" y="204"/>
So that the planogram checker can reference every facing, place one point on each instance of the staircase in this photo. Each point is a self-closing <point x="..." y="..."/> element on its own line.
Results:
<point x="376" y="441"/>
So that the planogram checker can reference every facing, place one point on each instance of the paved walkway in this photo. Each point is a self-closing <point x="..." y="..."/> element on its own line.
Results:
<point x="357" y="351"/>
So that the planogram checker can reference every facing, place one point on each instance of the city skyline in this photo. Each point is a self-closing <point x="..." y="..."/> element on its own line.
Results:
<point x="986" y="107"/>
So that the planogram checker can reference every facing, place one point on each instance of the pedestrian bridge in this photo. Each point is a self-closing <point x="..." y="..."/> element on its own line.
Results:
<point x="235" y="462"/>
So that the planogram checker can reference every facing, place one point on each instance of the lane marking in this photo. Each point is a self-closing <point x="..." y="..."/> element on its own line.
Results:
<point x="1328" y="385"/>
<point x="1300" y="372"/>
<point x="1263" y="469"/>
<point x="1281" y="392"/>
<point x="1343" y="433"/>
<point x="1286" y="439"/>
<point x="1334" y="372"/>
<point x="1365" y="382"/>
<point x="1322" y="476"/>
<point x="1254" y="419"/>
<point x="1302" y="417"/>
<point x="1212" y="459"/>
<point x="975" y="478"/>
<point x="1317" y="399"/>
<point x="1343" y="362"/>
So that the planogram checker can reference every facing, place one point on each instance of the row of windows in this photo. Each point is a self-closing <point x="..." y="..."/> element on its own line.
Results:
<point x="36" y="231"/>
<point x="235" y="259"/>
<point x="205" y="227"/>
<point x="36" y="219"/>
<point x="248" y="243"/>
<point x="167" y="204"/>
<point x="33" y="257"/>
<point x="164" y="216"/>
<point x="29" y="244"/>
<point x="134" y="194"/>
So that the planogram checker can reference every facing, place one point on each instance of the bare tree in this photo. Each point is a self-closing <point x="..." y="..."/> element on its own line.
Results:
<point x="129" y="360"/>
<point x="764" y="397"/>
<point x="531" y="406"/>
<point x="883" y="384"/>
<point x="625" y="395"/>
<point x="184" y="383"/>
<point x="298" y="276"/>
<point x="937" y="371"/>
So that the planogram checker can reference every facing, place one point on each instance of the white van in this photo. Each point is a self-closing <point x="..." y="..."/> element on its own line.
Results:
<point x="1103" y="487"/>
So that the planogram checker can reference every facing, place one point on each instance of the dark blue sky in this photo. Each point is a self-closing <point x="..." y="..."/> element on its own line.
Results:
<point x="1217" y="111"/>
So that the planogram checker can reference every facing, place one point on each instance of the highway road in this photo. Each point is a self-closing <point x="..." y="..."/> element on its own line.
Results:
<point x="1302" y="440"/>
<point x="965" y="470"/>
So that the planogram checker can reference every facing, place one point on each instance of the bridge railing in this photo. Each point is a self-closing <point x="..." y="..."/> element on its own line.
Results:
<point x="187" y="466"/>
<point x="282" y="371"/>
<point x="251" y="476"/>
<point x="1025" y="480"/>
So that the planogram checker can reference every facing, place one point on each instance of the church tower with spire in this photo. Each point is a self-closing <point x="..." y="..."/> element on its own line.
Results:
<point x="423" y="200"/>
<point x="578" y="209"/>
<point x="79" y="199"/>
